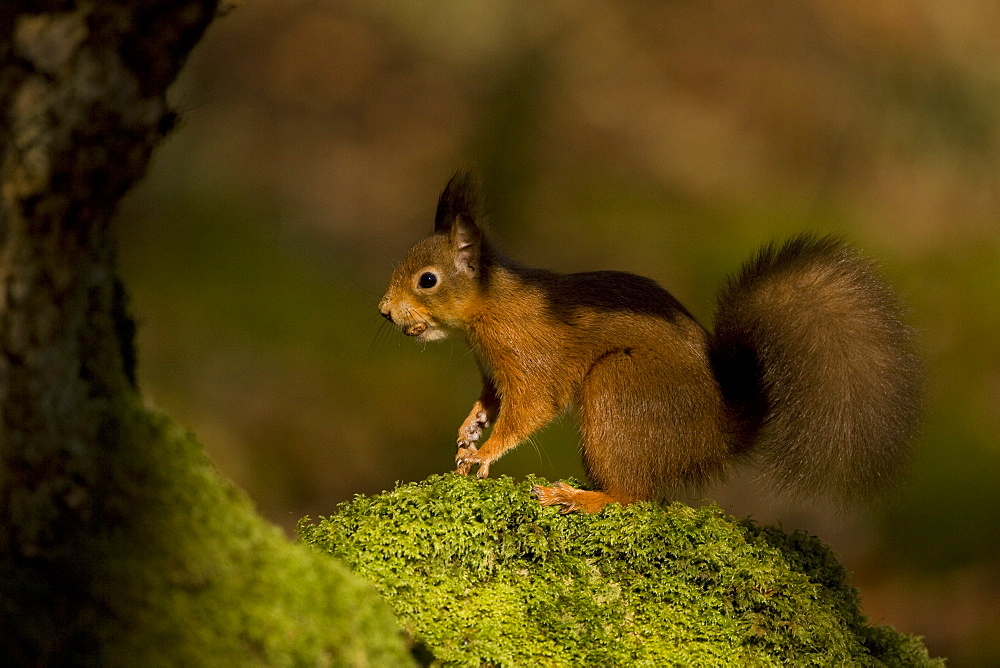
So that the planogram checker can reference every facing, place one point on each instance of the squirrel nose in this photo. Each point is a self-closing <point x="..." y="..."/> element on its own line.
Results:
<point x="386" y="313"/>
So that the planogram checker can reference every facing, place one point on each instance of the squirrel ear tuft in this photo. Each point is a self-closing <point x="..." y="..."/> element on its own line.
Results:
<point x="460" y="199"/>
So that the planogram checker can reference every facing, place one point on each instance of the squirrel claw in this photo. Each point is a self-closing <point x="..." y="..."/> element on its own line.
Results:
<point x="467" y="455"/>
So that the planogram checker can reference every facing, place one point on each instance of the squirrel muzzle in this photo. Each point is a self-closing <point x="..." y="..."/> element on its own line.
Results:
<point x="409" y="322"/>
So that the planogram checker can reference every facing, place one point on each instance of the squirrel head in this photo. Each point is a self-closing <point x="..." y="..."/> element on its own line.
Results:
<point x="433" y="290"/>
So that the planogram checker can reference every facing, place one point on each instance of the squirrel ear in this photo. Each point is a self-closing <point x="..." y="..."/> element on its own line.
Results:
<point x="459" y="199"/>
<point x="466" y="241"/>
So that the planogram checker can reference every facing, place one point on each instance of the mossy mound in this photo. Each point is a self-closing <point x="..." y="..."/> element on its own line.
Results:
<point x="482" y="575"/>
<point x="192" y="576"/>
<point x="213" y="583"/>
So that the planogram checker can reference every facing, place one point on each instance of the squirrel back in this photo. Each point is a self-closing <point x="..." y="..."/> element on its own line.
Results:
<point x="809" y="372"/>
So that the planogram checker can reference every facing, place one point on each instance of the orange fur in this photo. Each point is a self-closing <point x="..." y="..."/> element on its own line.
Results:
<point x="809" y="373"/>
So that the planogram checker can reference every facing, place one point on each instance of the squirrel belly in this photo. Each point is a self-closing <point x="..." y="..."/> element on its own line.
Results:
<point x="809" y="373"/>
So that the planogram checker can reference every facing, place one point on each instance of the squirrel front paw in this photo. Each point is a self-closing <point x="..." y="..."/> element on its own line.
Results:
<point x="472" y="429"/>
<point x="466" y="457"/>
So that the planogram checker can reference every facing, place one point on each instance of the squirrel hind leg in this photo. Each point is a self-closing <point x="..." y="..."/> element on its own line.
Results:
<point x="570" y="499"/>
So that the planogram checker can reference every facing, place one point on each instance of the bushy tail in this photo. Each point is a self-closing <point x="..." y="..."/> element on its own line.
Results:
<point x="818" y="370"/>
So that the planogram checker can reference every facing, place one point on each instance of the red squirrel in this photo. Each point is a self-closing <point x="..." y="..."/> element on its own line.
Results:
<point x="809" y="373"/>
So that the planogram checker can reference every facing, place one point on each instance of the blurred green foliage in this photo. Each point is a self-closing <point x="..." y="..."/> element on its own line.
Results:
<point x="665" y="139"/>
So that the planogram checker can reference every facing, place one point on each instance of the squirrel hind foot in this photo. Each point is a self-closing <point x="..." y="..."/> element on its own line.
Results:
<point x="570" y="499"/>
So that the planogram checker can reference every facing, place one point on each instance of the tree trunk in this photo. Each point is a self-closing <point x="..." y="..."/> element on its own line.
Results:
<point x="83" y="89"/>
<point x="118" y="541"/>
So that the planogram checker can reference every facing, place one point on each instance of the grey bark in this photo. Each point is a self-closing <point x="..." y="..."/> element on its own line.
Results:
<point x="82" y="93"/>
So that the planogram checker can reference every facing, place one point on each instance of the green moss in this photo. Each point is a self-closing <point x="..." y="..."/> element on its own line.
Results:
<point x="481" y="574"/>
<point x="195" y="577"/>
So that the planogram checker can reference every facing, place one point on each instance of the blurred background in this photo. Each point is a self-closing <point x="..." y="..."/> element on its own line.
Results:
<point x="665" y="138"/>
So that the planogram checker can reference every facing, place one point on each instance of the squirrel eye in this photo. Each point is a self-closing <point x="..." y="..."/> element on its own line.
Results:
<point x="427" y="280"/>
